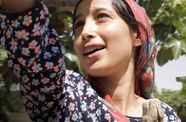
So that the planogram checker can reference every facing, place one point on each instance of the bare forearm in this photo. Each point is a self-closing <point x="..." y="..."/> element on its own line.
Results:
<point x="14" y="6"/>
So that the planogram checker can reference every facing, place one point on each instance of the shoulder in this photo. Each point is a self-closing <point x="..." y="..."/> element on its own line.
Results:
<point x="170" y="114"/>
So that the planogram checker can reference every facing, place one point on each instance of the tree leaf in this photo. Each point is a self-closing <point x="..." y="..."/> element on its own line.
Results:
<point x="183" y="45"/>
<point x="162" y="31"/>
<point x="164" y="55"/>
<point x="171" y="49"/>
<point x="181" y="79"/>
<point x="151" y="6"/>
<point x="177" y="45"/>
<point x="176" y="50"/>
<point x="172" y="42"/>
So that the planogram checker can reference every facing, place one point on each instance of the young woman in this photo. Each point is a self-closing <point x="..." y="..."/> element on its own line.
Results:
<point x="114" y="42"/>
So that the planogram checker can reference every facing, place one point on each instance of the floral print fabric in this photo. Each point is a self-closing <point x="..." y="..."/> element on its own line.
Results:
<point x="49" y="91"/>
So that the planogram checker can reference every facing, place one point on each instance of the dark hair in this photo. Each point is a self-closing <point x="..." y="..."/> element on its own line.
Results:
<point x="74" y="16"/>
<point x="125" y="12"/>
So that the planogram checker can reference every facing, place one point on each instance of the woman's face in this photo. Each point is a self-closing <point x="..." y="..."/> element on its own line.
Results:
<point x="104" y="42"/>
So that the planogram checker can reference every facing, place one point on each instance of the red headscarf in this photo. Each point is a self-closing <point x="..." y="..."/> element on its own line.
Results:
<point x="145" y="64"/>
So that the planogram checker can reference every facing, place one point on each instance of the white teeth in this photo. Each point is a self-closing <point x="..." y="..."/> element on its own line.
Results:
<point x="92" y="49"/>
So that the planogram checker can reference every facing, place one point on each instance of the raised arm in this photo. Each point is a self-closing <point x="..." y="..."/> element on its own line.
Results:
<point x="35" y="56"/>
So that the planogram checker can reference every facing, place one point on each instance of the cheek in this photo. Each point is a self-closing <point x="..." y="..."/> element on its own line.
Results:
<point x="118" y="39"/>
<point x="113" y="32"/>
<point x="75" y="44"/>
<point x="116" y="29"/>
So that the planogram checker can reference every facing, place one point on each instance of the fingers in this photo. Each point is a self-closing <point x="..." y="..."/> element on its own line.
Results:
<point x="152" y="111"/>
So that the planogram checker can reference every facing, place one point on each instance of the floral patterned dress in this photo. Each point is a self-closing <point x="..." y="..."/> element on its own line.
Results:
<point x="49" y="91"/>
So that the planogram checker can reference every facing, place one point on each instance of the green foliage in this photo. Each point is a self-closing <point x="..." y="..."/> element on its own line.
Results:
<point x="171" y="49"/>
<point x="183" y="80"/>
<point x="176" y="100"/>
<point x="172" y="16"/>
<point x="11" y="100"/>
<point x="169" y="22"/>
<point x="151" y="6"/>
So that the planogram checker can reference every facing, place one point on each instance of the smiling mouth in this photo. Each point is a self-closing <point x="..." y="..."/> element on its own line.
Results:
<point x="93" y="50"/>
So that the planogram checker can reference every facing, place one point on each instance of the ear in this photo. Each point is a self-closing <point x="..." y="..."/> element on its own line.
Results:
<point x="136" y="40"/>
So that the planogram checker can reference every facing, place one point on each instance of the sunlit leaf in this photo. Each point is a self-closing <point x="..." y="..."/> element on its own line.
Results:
<point x="183" y="45"/>
<point x="176" y="50"/>
<point x="172" y="42"/>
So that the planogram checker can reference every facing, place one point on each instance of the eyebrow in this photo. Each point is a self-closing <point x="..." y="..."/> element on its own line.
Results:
<point x="78" y="16"/>
<point x="95" y="10"/>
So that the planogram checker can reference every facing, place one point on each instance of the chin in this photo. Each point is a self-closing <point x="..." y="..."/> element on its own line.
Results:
<point x="96" y="72"/>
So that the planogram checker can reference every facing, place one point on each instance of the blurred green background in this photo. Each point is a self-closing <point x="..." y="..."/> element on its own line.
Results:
<point x="168" y="18"/>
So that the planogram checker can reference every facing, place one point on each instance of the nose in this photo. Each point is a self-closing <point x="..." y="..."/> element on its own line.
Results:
<point x="87" y="36"/>
<point x="88" y="32"/>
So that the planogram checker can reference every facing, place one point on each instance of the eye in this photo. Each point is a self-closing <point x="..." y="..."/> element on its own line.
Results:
<point x="78" y="24"/>
<point x="102" y="16"/>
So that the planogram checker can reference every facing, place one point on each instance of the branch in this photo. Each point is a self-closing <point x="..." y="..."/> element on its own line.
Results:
<point x="66" y="5"/>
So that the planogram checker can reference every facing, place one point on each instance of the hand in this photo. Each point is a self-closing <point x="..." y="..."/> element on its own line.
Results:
<point x="152" y="111"/>
<point x="14" y="6"/>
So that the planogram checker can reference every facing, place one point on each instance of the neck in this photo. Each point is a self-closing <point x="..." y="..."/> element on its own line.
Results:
<point x="120" y="87"/>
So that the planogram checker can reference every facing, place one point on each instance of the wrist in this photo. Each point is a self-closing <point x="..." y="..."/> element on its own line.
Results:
<point x="13" y="6"/>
